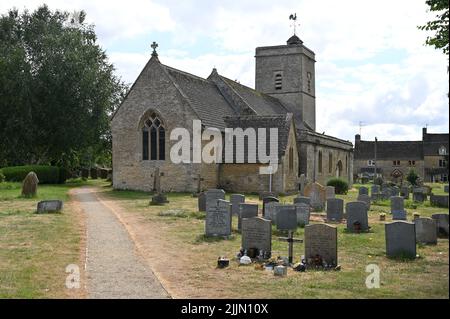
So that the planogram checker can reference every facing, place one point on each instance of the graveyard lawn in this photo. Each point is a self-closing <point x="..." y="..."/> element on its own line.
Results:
<point x="171" y="239"/>
<point x="36" y="248"/>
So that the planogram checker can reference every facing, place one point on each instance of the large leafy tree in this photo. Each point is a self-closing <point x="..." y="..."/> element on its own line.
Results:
<point x="440" y="26"/>
<point x="57" y="89"/>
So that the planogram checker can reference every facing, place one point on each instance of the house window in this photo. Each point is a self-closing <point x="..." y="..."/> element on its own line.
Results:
<point x="291" y="159"/>
<point x="412" y="163"/>
<point x="370" y="163"/>
<point x="442" y="163"/>
<point x="330" y="163"/>
<point x="442" y="150"/>
<point x="320" y="162"/>
<point x="278" y="80"/>
<point x="153" y="139"/>
<point x="396" y="163"/>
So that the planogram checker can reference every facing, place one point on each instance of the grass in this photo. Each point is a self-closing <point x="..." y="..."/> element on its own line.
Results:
<point x="423" y="277"/>
<point x="36" y="248"/>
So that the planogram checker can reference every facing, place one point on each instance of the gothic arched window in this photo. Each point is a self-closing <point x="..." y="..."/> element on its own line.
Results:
<point x="320" y="162"/>
<point x="330" y="163"/>
<point x="153" y="139"/>
<point x="291" y="159"/>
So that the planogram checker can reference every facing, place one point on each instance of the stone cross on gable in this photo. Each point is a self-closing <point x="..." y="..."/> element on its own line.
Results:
<point x="154" y="46"/>
<point x="290" y="240"/>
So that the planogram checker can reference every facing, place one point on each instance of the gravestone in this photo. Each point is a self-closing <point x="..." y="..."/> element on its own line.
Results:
<point x="257" y="234"/>
<point x="398" y="208"/>
<point x="395" y="191"/>
<point x="400" y="239"/>
<point x="335" y="209"/>
<point x="357" y="219"/>
<point x="302" y="200"/>
<point x="201" y="202"/>
<point x="441" y="224"/>
<point x="303" y="214"/>
<point x="212" y="195"/>
<point x="302" y="180"/>
<point x="271" y="211"/>
<point x="419" y="195"/>
<point x="159" y="198"/>
<point x="446" y="188"/>
<point x="329" y="192"/>
<point x="321" y="245"/>
<point x="235" y="200"/>
<point x="439" y="200"/>
<point x="404" y="192"/>
<point x="218" y="219"/>
<point x="426" y="231"/>
<point x="386" y="193"/>
<point x="366" y="199"/>
<point x="375" y="192"/>
<point x="29" y="185"/>
<point x="317" y="195"/>
<point x="246" y="211"/>
<point x="267" y="200"/>
<point x="286" y="217"/>
<point x="199" y="179"/>
<point x="49" y="206"/>
<point x="363" y="191"/>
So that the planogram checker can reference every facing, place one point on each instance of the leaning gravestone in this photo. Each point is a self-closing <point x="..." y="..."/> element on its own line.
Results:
<point x="29" y="185"/>
<point x="441" y="224"/>
<point x="426" y="231"/>
<point x="49" y="206"/>
<point x="246" y="211"/>
<point x="400" y="239"/>
<point x="398" y="208"/>
<point x="330" y="192"/>
<point x="257" y="234"/>
<point x="218" y="219"/>
<point x="321" y="245"/>
<point x="317" y="195"/>
<point x="267" y="200"/>
<point x="303" y="214"/>
<point x="271" y="211"/>
<point x="357" y="219"/>
<point x="363" y="191"/>
<point x="302" y="200"/>
<point x="235" y="200"/>
<point x="286" y="217"/>
<point x="335" y="209"/>
<point x="212" y="195"/>
<point x="201" y="202"/>
<point x="366" y="199"/>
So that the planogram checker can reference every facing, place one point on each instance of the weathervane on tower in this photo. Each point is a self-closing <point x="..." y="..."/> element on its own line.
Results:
<point x="294" y="18"/>
<point x="154" y="46"/>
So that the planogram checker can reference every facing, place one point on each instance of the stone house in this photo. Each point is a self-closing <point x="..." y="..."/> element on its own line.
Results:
<point x="163" y="99"/>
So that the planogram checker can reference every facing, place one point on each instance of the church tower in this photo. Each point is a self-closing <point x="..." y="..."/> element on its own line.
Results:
<point x="286" y="72"/>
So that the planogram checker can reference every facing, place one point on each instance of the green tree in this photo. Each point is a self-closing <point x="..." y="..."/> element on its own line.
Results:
<point x="57" y="89"/>
<point x="412" y="177"/>
<point x="440" y="40"/>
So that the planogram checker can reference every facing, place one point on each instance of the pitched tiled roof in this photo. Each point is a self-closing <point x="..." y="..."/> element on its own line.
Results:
<point x="407" y="150"/>
<point x="433" y="142"/>
<point x="203" y="96"/>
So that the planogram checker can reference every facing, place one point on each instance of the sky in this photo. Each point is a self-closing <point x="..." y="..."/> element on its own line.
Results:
<point x="374" y="74"/>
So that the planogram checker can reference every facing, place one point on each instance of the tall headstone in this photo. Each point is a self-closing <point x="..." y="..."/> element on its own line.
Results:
<point x="29" y="185"/>
<point x="441" y="224"/>
<point x="303" y="214"/>
<point x="426" y="231"/>
<point x="212" y="195"/>
<point x="218" y="219"/>
<point x="235" y="200"/>
<point x="159" y="198"/>
<point x="317" y="195"/>
<point x="201" y="202"/>
<point x="247" y="211"/>
<point x="271" y="211"/>
<point x="266" y="200"/>
<point x="321" y="245"/>
<point x="335" y="209"/>
<point x="357" y="219"/>
<point x="330" y="192"/>
<point x="257" y="234"/>
<point x="398" y="208"/>
<point x="400" y="239"/>
<point x="286" y="217"/>
<point x="363" y="191"/>
<point x="366" y="199"/>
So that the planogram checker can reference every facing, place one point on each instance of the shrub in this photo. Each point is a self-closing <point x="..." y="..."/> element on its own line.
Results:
<point x="2" y="177"/>
<point x="64" y="174"/>
<point x="94" y="173"/>
<point x="340" y="186"/>
<point x="412" y="177"/>
<point x="46" y="174"/>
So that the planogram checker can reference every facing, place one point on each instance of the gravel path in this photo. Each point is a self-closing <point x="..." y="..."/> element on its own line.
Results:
<point x="113" y="267"/>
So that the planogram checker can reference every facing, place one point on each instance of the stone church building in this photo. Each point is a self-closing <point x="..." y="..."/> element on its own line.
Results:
<point x="164" y="98"/>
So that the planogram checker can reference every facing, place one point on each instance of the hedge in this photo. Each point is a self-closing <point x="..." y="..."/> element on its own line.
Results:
<point x="46" y="174"/>
<point x="340" y="186"/>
